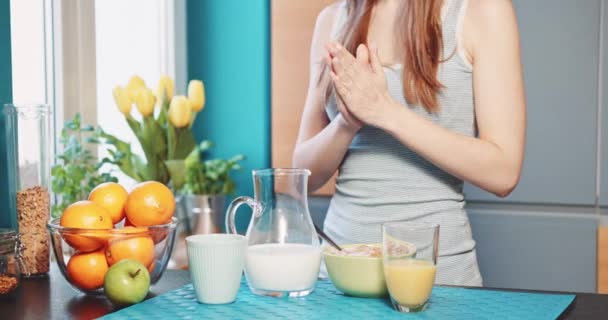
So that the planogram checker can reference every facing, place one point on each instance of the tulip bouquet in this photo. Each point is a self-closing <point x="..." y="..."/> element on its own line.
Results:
<point x="164" y="130"/>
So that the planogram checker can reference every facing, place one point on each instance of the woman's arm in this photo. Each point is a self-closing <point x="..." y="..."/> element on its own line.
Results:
<point x="322" y="144"/>
<point x="493" y="161"/>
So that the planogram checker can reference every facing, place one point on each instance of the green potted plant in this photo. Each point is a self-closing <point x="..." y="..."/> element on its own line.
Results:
<point x="206" y="184"/>
<point x="76" y="171"/>
<point x="170" y="153"/>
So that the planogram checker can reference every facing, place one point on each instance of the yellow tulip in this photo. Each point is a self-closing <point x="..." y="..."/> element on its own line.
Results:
<point x="121" y="97"/>
<point x="145" y="101"/>
<point x="135" y="83"/>
<point x="165" y="87"/>
<point x="196" y="95"/>
<point x="180" y="111"/>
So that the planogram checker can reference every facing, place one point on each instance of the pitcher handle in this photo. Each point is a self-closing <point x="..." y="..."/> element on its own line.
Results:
<point x="231" y="213"/>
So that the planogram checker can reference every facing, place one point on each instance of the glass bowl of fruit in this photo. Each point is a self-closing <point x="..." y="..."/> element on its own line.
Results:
<point x="113" y="225"/>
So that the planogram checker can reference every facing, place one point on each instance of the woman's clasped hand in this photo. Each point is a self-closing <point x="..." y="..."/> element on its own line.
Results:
<point x="360" y="83"/>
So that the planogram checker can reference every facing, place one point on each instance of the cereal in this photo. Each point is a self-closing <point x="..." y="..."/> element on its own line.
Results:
<point x="7" y="284"/>
<point x="33" y="215"/>
<point x="362" y="250"/>
<point x="395" y="248"/>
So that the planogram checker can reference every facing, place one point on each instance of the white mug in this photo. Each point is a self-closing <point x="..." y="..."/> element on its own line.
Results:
<point x="216" y="263"/>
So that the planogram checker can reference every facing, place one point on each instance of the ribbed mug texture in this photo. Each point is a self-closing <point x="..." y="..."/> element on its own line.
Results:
<point x="216" y="263"/>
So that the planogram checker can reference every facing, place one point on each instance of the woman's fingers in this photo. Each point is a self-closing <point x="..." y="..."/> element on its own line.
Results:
<point x="328" y="62"/>
<point x="362" y="54"/>
<point x="345" y="69"/>
<point x="331" y="48"/>
<point x="343" y="63"/>
<point x="337" y="65"/>
<point x="338" y="51"/>
<point x="342" y="89"/>
<point x="351" y="75"/>
<point x="374" y="58"/>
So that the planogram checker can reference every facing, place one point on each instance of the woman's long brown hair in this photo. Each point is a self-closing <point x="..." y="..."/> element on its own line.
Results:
<point x="422" y="39"/>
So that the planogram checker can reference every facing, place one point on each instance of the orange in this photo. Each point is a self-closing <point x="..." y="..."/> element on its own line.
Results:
<point x="117" y="233"/>
<point x="87" y="270"/>
<point x="150" y="203"/>
<point x="129" y="230"/>
<point x="112" y="197"/>
<point x="140" y="248"/>
<point x="86" y="215"/>
<point x="105" y="235"/>
<point x="151" y="267"/>
<point x="88" y="240"/>
<point x="157" y="235"/>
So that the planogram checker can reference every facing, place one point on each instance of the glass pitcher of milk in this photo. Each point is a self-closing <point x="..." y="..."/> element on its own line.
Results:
<point x="284" y="253"/>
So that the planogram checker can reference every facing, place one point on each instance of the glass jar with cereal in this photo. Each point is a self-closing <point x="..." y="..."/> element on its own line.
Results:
<point x="10" y="270"/>
<point x="28" y="151"/>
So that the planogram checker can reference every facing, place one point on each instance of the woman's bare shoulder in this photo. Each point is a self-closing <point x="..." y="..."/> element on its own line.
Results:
<point x="323" y="29"/>
<point x="492" y="20"/>
<point x="488" y="11"/>
<point x="327" y="16"/>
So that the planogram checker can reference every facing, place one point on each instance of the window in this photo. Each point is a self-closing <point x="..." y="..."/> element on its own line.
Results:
<point x="72" y="53"/>
<point x="29" y="47"/>
<point x="128" y="42"/>
<point x="133" y="37"/>
<point x="28" y="51"/>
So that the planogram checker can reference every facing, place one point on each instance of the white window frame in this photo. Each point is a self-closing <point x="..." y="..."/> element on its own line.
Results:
<point x="70" y="36"/>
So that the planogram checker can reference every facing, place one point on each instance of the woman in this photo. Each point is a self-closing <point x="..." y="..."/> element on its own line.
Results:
<point x="407" y="99"/>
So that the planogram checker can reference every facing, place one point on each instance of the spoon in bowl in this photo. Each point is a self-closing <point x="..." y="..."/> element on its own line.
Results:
<point x="322" y="234"/>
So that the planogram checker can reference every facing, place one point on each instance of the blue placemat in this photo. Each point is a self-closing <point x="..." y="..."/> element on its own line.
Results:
<point x="326" y="302"/>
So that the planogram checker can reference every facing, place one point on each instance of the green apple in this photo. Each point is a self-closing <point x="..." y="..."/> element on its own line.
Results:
<point x="126" y="282"/>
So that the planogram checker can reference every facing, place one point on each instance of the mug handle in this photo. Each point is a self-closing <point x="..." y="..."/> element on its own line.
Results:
<point x="231" y="213"/>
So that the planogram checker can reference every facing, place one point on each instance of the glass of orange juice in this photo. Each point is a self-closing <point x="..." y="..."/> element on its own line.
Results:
<point x="410" y="258"/>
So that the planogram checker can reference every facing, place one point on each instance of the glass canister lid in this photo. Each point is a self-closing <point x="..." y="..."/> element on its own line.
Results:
<point x="7" y="240"/>
<point x="7" y="234"/>
<point x="28" y="110"/>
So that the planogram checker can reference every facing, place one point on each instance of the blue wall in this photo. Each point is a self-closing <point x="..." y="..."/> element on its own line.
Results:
<point x="7" y="218"/>
<point x="229" y="49"/>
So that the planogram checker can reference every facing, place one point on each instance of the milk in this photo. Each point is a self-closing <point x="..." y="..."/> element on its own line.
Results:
<point x="409" y="281"/>
<point x="282" y="267"/>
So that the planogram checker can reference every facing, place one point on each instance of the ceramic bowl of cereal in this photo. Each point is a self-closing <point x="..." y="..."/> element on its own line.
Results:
<point x="356" y="270"/>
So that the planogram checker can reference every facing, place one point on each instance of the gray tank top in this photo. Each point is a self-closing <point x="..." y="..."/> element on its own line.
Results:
<point x="381" y="180"/>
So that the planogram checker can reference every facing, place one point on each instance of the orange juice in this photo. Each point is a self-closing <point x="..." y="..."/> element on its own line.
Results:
<point x="409" y="281"/>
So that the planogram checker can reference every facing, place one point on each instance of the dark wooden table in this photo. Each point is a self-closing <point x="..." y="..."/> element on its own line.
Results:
<point x="52" y="297"/>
